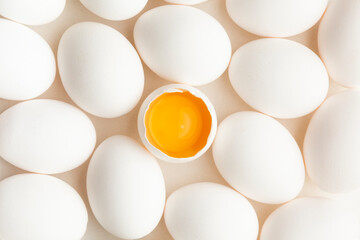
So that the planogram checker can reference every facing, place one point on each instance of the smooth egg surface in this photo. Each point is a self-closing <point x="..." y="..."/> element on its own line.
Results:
<point x="186" y="2"/>
<point x="46" y="136"/>
<point x="27" y="62"/>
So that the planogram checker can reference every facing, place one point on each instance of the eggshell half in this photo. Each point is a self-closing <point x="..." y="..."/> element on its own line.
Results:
<point x="182" y="44"/>
<point x="311" y="219"/>
<point x="100" y="69"/>
<point x="27" y="62"/>
<point x="46" y="136"/>
<point x="32" y="12"/>
<point x="259" y="158"/>
<point x="40" y="207"/>
<point x="276" y="18"/>
<point x="339" y="42"/>
<point x="279" y="77"/>
<point x="331" y="145"/>
<point x="210" y="211"/>
<point x="115" y="9"/>
<point x="126" y="188"/>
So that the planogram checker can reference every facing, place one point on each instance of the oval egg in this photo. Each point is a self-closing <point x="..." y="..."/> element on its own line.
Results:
<point x="186" y="2"/>
<point x="126" y="188"/>
<point x="40" y="207"/>
<point x="27" y="62"/>
<point x="182" y="44"/>
<point x="100" y="69"/>
<point x="331" y="145"/>
<point x="259" y="158"/>
<point x="210" y="211"/>
<point x="115" y="10"/>
<point x="279" y="77"/>
<point x="311" y="219"/>
<point x="32" y="12"/>
<point x="46" y="136"/>
<point x="177" y="123"/>
<point x="339" y="41"/>
<point x="276" y="18"/>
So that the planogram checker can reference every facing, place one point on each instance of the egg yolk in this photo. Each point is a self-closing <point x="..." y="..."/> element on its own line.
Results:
<point x="178" y="124"/>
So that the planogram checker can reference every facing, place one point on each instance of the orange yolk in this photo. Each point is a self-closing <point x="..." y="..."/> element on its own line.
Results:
<point x="178" y="124"/>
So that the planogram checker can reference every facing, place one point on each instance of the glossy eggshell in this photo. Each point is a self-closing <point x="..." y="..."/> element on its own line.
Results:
<point x="259" y="158"/>
<point x="27" y="62"/>
<point x="182" y="44"/>
<point x="40" y="207"/>
<point x="46" y="136"/>
<point x="339" y="41"/>
<point x="100" y="69"/>
<point x="210" y="211"/>
<point x="279" y="77"/>
<point x="331" y="145"/>
<point x="126" y="188"/>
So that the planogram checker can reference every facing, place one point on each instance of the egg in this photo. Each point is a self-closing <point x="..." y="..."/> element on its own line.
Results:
<point x="276" y="18"/>
<point x="186" y="2"/>
<point x="259" y="158"/>
<point x="126" y="188"/>
<point x="311" y="219"/>
<point x="177" y="123"/>
<point x="100" y="69"/>
<point x="32" y="12"/>
<point x="115" y="10"/>
<point x="182" y="44"/>
<point x="40" y="207"/>
<point x="339" y="42"/>
<point x="331" y="145"/>
<point x="27" y="62"/>
<point x="210" y="211"/>
<point x="279" y="77"/>
<point x="45" y="136"/>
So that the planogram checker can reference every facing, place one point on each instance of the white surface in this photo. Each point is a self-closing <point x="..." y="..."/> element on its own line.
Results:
<point x="40" y="207"/>
<point x="100" y="69"/>
<point x="209" y="211"/>
<point x="46" y="136"/>
<point x="27" y="62"/>
<point x="259" y="157"/>
<point x="185" y="2"/>
<point x="126" y="188"/>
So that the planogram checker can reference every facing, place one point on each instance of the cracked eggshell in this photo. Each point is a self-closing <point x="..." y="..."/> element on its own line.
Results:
<point x="331" y="145"/>
<point x="115" y="10"/>
<point x="100" y="69"/>
<point x="259" y="158"/>
<point x="311" y="219"/>
<point x="27" y="62"/>
<point x="46" y="136"/>
<point x="185" y="2"/>
<point x="339" y="41"/>
<point x="32" y="12"/>
<point x="175" y="88"/>
<point x="182" y="44"/>
<point x="126" y="188"/>
<point x="40" y="207"/>
<point x="276" y="18"/>
<point x="210" y="211"/>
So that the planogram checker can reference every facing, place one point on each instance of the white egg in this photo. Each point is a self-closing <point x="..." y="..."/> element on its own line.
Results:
<point x="311" y="219"/>
<point x="40" y="207"/>
<point x="276" y="18"/>
<point x="115" y="9"/>
<point x="332" y="140"/>
<point x="210" y="211"/>
<point x="259" y="158"/>
<point x="179" y="130"/>
<point x="32" y="12"/>
<point x="185" y="2"/>
<point x="126" y="188"/>
<point x="46" y="136"/>
<point x="339" y="41"/>
<point x="27" y="62"/>
<point x="182" y="44"/>
<point x="279" y="77"/>
<point x="100" y="69"/>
